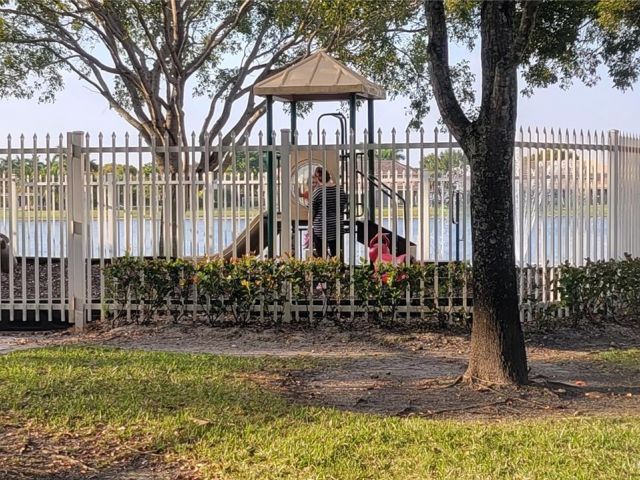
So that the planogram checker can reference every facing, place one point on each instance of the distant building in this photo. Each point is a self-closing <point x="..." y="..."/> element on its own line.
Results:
<point x="564" y="176"/>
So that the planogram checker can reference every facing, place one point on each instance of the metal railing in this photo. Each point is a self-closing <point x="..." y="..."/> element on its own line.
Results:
<point x="70" y="205"/>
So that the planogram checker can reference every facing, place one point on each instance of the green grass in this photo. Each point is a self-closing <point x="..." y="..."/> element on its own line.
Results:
<point x="628" y="359"/>
<point x="205" y="410"/>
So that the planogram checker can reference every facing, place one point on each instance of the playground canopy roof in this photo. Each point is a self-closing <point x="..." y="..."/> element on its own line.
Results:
<point x="318" y="77"/>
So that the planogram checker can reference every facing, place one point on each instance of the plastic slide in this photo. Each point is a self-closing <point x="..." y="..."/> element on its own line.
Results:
<point x="253" y="232"/>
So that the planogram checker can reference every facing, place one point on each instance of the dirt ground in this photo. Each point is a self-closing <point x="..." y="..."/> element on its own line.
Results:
<point x="390" y="373"/>
<point x="28" y="453"/>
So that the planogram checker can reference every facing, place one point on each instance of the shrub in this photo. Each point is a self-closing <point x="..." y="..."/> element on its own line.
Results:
<point x="602" y="290"/>
<point x="234" y="290"/>
<point x="156" y="283"/>
<point x="328" y="278"/>
<point x="180" y="274"/>
<point x="254" y="281"/>
<point x="124" y="284"/>
<point x="212" y="285"/>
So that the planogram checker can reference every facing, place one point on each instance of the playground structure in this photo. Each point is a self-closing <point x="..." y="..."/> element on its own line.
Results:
<point x="320" y="78"/>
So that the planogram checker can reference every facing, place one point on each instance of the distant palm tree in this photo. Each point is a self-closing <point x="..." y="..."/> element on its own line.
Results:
<point x="17" y="166"/>
<point x="388" y="154"/>
<point x="55" y="165"/>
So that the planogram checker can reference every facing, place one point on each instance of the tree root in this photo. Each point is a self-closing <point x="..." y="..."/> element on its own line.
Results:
<point x="475" y="406"/>
<point x="547" y="382"/>
<point x="155" y="453"/>
<point x="74" y="461"/>
<point x="430" y="384"/>
<point x="491" y="387"/>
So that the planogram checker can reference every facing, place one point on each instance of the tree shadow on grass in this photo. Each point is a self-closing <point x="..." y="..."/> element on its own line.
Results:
<point x="425" y="386"/>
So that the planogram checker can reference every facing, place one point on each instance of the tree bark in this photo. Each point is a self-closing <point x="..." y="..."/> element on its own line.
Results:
<point x="170" y="163"/>
<point x="497" y="343"/>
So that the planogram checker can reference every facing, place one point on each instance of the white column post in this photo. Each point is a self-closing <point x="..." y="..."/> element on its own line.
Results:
<point x="285" y="204"/>
<point x="285" y="191"/>
<point x="76" y="229"/>
<point x="423" y="198"/>
<point x="109" y="212"/>
<point x="13" y="216"/>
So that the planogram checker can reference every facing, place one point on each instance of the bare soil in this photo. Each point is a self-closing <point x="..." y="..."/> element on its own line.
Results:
<point x="27" y="452"/>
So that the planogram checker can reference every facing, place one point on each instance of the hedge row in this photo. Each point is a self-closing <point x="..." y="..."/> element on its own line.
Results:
<point x="246" y="290"/>
<point x="602" y="290"/>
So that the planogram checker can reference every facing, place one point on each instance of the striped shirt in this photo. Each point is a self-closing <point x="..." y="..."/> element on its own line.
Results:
<point x="329" y="193"/>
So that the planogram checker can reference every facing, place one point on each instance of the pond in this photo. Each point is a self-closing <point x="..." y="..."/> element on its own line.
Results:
<point x="46" y="238"/>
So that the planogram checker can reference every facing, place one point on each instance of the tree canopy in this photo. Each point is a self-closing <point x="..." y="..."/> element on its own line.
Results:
<point x="569" y="40"/>
<point x="145" y="56"/>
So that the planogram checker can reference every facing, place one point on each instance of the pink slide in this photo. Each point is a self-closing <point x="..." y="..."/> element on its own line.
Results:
<point x="380" y="244"/>
<point x="384" y="249"/>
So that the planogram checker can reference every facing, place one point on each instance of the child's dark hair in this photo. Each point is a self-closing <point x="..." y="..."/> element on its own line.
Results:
<point x="327" y="176"/>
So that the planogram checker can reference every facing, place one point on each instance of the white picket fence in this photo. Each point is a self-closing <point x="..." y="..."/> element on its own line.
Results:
<point x="575" y="197"/>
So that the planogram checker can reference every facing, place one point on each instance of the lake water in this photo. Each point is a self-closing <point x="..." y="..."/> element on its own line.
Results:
<point x="591" y="243"/>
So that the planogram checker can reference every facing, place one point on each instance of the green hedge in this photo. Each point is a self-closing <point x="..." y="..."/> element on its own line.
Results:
<point x="250" y="290"/>
<point x="602" y="290"/>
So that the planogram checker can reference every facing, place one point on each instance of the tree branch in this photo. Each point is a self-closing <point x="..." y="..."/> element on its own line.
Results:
<point x="527" y="22"/>
<point x="224" y="29"/>
<point x="438" y="59"/>
<point x="100" y="85"/>
<point x="159" y="56"/>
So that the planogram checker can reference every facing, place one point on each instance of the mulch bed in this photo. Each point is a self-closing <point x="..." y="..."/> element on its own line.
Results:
<point x="44" y="280"/>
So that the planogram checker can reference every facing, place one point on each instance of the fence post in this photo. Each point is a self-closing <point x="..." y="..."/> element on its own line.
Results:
<point x="285" y="205"/>
<point x="75" y="229"/>
<point x="285" y="191"/>
<point x="612" y="192"/>
<point x="109" y="212"/>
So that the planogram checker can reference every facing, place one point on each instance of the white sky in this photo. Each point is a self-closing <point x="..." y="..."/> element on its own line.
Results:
<point x="78" y="108"/>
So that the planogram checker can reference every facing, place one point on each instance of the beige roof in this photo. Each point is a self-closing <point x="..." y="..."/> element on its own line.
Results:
<point x="318" y="77"/>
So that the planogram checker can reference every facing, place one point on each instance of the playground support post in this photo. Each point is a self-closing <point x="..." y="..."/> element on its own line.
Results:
<point x="353" y="166"/>
<point x="294" y="121"/>
<point x="352" y="177"/>
<point x="371" y="195"/>
<point x="270" y="179"/>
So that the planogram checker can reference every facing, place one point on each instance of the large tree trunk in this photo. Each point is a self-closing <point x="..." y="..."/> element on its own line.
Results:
<point x="170" y="165"/>
<point x="497" y="343"/>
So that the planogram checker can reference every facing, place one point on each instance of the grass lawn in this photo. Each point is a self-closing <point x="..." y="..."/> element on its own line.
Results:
<point x="208" y="411"/>
<point x="627" y="359"/>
